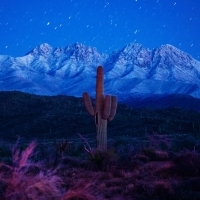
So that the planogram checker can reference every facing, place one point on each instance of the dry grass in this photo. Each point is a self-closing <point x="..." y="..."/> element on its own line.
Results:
<point x="147" y="175"/>
<point x="27" y="180"/>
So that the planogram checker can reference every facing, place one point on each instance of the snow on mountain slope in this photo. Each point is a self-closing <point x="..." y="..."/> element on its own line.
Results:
<point x="133" y="61"/>
<point x="134" y="70"/>
<point x="169" y="63"/>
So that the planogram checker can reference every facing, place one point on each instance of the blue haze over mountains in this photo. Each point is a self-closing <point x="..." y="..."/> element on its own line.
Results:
<point x="134" y="72"/>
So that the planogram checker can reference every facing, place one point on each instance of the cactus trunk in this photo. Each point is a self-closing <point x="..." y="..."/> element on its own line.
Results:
<point x="101" y="124"/>
<point x="101" y="131"/>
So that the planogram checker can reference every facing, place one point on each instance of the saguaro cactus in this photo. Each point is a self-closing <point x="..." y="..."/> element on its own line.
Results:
<point x="104" y="111"/>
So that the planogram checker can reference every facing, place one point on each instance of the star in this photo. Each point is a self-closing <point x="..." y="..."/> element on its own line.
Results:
<point x="107" y="25"/>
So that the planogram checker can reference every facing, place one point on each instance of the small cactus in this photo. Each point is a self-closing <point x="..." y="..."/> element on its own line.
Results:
<point x="104" y="111"/>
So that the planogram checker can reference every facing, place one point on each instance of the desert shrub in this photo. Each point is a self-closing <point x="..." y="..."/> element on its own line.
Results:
<point x="70" y="162"/>
<point x="125" y="147"/>
<point x="158" y="190"/>
<point x="45" y="154"/>
<point x="76" y="150"/>
<point x="186" y="193"/>
<point x="186" y="142"/>
<point x="187" y="164"/>
<point x="160" y="142"/>
<point x="148" y="151"/>
<point x="161" y="190"/>
<point x="78" y="196"/>
<point x="100" y="159"/>
<point x="155" y="155"/>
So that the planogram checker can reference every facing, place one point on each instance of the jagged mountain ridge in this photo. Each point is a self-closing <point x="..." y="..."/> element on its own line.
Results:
<point x="131" y="71"/>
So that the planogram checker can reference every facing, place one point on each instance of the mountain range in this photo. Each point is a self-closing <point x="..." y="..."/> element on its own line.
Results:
<point x="132" y="72"/>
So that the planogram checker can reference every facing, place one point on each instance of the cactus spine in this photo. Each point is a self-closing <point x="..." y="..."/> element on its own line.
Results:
<point x="104" y="111"/>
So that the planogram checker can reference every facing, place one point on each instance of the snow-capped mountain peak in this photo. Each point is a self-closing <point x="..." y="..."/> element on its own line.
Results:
<point x="42" y="50"/>
<point x="71" y="70"/>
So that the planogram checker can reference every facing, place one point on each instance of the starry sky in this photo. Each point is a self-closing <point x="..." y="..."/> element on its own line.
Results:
<point x="107" y="25"/>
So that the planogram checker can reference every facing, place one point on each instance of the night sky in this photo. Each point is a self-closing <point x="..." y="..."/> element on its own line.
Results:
<point x="107" y="25"/>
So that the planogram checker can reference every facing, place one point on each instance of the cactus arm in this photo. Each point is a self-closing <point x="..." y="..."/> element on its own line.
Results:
<point x="88" y="104"/>
<point x="107" y="107"/>
<point x="113" y="108"/>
